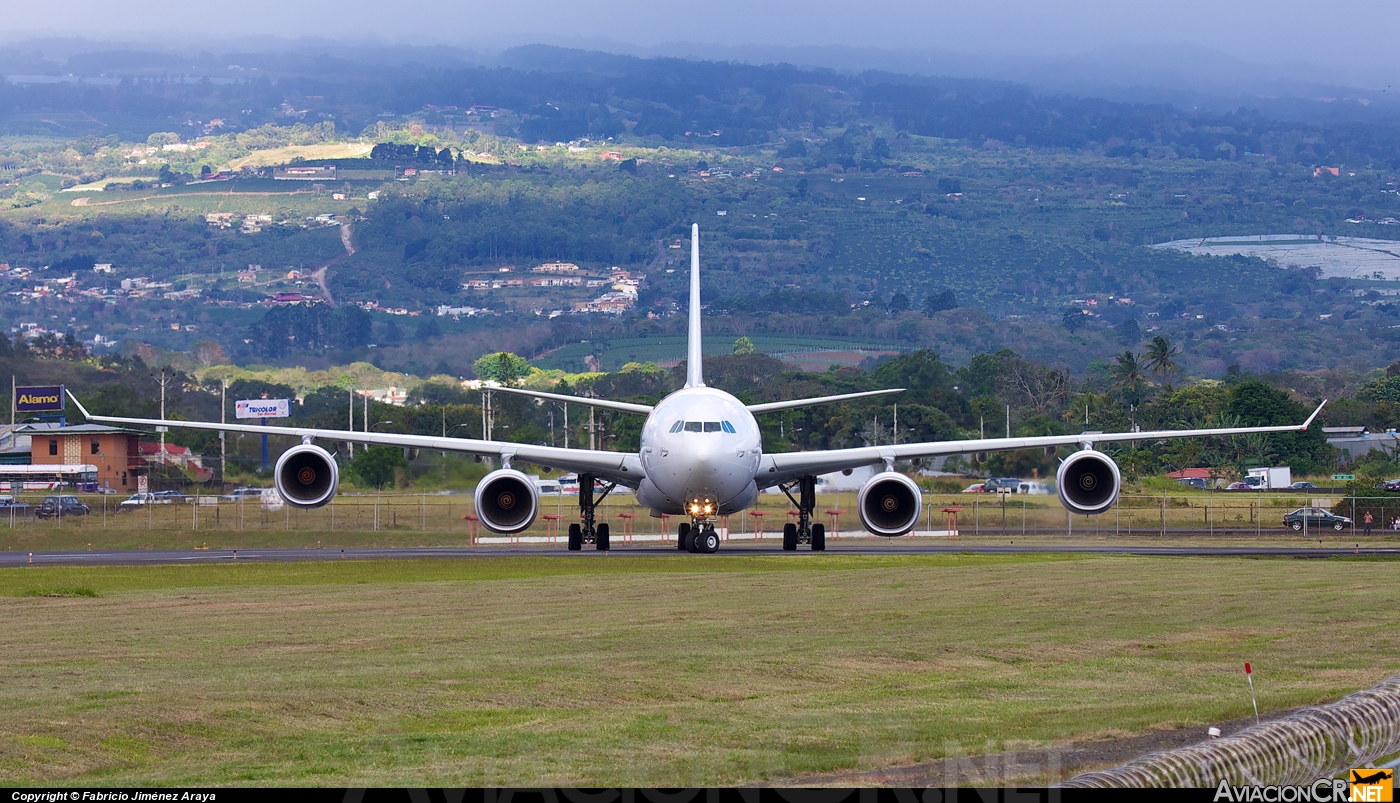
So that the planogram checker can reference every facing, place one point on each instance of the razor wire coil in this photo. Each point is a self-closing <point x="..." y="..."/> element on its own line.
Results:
<point x="1308" y="744"/>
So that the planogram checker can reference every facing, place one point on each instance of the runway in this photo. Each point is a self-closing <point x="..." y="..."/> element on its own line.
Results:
<point x="132" y="557"/>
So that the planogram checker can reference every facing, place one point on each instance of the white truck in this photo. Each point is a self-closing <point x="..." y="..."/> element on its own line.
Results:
<point x="1272" y="478"/>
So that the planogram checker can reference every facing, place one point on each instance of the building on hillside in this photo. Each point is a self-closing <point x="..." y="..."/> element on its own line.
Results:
<point x="556" y="267"/>
<point x="304" y="173"/>
<point x="177" y="456"/>
<point x="396" y="396"/>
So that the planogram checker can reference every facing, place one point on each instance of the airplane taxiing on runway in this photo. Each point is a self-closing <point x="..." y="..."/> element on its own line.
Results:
<point x="701" y="457"/>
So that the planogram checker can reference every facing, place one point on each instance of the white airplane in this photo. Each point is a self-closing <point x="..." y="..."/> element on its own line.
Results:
<point x="701" y="457"/>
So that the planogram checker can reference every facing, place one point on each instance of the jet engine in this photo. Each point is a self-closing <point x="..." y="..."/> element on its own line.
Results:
<point x="506" y="501"/>
<point x="889" y="504"/>
<point x="306" y="476"/>
<point x="1088" y="482"/>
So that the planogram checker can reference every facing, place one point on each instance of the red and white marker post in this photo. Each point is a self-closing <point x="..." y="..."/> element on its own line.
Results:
<point x="1249" y="675"/>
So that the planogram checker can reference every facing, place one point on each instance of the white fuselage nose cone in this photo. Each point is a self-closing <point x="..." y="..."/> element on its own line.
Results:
<point x="700" y="447"/>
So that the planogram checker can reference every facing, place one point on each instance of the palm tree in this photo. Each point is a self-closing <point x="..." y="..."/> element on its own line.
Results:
<point x="1128" y="377"/>
<point x="1159" y="357"/>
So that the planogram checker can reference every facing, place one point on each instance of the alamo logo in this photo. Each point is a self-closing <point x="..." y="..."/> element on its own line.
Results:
<point x="1373" y="785"/>
<point x="44" y="398"/>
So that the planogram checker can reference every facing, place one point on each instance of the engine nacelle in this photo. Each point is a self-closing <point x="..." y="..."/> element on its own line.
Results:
<point x="506" y="501"/>
<point x="889" y="504"/>
<point x="1088" y="482"/>
<point x="306" y="476"/>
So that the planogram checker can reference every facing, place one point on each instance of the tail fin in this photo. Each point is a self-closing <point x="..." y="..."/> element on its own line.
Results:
<point x="694" y="370"/>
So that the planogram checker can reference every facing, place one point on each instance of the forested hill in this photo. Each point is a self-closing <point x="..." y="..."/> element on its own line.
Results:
<point x="555" y="94"/>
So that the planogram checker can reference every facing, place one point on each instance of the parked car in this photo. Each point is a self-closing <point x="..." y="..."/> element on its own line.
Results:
<point x="242" y="493"/>
<point x="1316" y="517"/>
<point x="1389" y="485"/>
<point x="58" y="506"/>
<point x="998" y="484"/>
<point x="172" y="496"/>
<point x="1194" y="482"/>
<point x="1303" y="485"/>
<point x="1239" y="486"/>
<point x="141" y="500"/>
<point x="976" y="488"/>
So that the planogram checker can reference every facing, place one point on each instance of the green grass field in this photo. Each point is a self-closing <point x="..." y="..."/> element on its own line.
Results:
<point x="651" y="671"/>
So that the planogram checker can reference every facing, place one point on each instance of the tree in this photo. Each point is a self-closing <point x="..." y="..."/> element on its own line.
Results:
<point x="1160" y="357"/>
<point x="899" y="302"/>
<point x="501" y="366"/>
<point x="1072" y="319"/>
<point x="1128" y="377"/>
<point x="377" y="464"/>
<point x="1129" y="332"/>
<point x="938" y="302"/>
<point x="744" y="346"/>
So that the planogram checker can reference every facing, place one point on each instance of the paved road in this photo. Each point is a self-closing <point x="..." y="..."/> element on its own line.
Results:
<point x="131" y="557"/>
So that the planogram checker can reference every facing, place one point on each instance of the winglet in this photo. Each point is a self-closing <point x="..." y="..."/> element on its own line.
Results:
<point x="1314" y="415"/>
<point x="81" y="408"/>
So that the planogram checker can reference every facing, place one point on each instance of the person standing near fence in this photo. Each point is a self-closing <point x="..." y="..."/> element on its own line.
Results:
<point x="1368" y="521"/>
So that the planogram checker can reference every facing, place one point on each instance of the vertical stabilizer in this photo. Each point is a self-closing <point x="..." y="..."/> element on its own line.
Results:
<point x="694" y="370"/>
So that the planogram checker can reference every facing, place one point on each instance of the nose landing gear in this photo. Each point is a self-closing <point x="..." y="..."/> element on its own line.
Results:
<point x="804" y="531"/>
<point x="699" y="538"/>
<point x="587" y="532"/>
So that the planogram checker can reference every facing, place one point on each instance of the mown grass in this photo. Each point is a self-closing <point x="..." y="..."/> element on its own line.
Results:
<point x="653" y="671"/>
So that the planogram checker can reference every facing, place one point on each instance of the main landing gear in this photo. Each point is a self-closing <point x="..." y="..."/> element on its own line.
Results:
<point x="804" y="531"/>
<point x="587" y="532"/>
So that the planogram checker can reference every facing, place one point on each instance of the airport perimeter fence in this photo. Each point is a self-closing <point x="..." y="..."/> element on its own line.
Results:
<point x="451" y="518"/>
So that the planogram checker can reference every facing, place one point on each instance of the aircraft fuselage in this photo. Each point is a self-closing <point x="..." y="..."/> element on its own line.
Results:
<point x="700" y="450"/>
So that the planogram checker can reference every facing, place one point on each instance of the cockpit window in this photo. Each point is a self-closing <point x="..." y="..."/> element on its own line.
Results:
<point x="676" y="427"/>
<point x="712" y="426"/>
<point x="728" y="427"/>
<point x="693" y="426"/>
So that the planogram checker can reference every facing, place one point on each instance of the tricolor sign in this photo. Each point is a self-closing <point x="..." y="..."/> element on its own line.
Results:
<point x="263" y="408"/>
<point x="43" y="399"/>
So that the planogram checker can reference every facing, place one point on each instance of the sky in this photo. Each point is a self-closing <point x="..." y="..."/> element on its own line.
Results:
<point x="1351" y="43"/>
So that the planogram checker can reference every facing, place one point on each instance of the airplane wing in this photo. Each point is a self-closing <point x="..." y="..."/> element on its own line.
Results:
<point x="607" y="404"/>
<point x="768" y="407"/>
<point x="624" y="469"/>
<point x="787" y="466"/>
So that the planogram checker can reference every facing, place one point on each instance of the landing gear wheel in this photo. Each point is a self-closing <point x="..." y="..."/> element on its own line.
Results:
<point x="818" y="537"/>
<point x="697" y="538"/>
<point x="683" y="537"/>
<point x="1297" y="525"/>
<point x="575" y="538"/>
<point x="789" y="537"/>
<point x="707" y="541"/>
<point x="602" y="538"/>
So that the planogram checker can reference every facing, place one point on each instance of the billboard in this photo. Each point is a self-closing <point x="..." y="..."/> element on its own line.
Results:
<point x="262" y="408"/>
<point x="41" y="399"/>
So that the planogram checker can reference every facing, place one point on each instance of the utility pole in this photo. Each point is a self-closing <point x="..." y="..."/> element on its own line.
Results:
<point x="1008" y="420"/>
<point x="163" y="382"/>
<point x="566" y="424"/>
<point x="592" y="432"/>
<point x="896" y="425"/>
<point x="352" y="421"/>
<point x="223" y="419"/>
